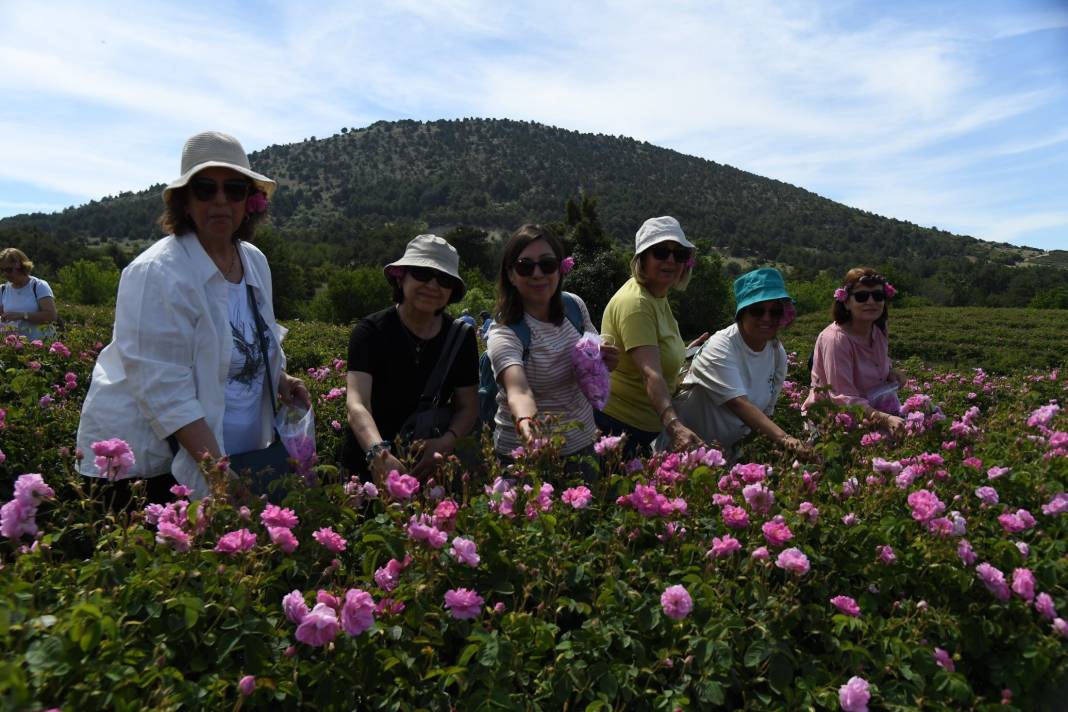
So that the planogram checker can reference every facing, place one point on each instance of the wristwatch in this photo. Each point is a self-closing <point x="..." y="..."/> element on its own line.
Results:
<point x="376" y="449"/>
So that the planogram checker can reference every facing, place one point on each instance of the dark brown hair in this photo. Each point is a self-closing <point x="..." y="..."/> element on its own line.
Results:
<point x="866" y="277"/>
<point x="509" y="309"/>
<point x="175" y="218"/>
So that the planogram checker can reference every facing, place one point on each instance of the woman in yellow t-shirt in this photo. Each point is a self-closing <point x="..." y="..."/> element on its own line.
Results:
<point x="638" y="320"/>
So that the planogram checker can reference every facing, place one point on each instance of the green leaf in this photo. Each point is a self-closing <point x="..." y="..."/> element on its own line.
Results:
<point x="780" y="672"/>
<point x="757" y="652"/>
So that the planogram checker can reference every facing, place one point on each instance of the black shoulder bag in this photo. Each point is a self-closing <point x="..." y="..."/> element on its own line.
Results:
<point x="431" y="420"/>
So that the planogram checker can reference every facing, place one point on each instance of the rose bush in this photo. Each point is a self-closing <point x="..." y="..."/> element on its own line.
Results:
<point x="682" y="581"/>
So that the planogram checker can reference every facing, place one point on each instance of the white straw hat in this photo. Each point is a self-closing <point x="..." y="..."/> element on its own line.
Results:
<point x="656" y="230"/>
<point x="212" y="149"/>
<point x="433" y="252"/>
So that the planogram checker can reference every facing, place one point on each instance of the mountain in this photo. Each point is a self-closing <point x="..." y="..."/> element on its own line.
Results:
<point x="496" y="173"/>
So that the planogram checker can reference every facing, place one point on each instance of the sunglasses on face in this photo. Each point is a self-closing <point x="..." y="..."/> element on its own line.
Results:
<point x="663" y="251"/>
<point x="524" y="266"/>
<point x="862" y="297"/>
<point x="235" y="189"/>
<point x="425" y="274"/>
<point x="759" y="311"/>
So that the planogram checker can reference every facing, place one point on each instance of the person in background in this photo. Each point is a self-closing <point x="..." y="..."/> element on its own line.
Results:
<point x="851" y="362"/>
<point x="487" y="322"/>
<point x="27" y="305"/>
<point x="638" y="320"/>
<point x="393" y="353"/>
<point x="537" y="378"/>
<point x="196" y="354"/>
<point x="735" y="379"/>
<point x="465" y="317"/>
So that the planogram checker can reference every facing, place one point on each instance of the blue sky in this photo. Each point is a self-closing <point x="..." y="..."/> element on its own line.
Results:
<point x="948" y="114"/>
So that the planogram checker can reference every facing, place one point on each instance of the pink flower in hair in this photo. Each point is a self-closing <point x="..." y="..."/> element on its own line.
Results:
<point x="256" y="203"/>
<point x="890" y="291"/>
<point x="841" y="295"/>
<point x="566" y="265"/>
<point x="789" y="313"/>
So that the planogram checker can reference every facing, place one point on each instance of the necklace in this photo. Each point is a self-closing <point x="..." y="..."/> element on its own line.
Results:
<point x="230" y="268"/>
<point x="417" y="342"/>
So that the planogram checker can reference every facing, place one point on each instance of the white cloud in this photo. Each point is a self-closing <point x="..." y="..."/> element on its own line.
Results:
<point x="879" y="111"/>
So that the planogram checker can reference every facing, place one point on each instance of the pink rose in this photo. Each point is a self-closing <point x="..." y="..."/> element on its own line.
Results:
<point x="235" y="542"/>
<point x="735" y="517"/>
<point x="841" y="295"/>
<point x="357" y="613"/>
<point x="854" y="695"/>
<point x="1023" y="584"/>
<point x="722" y="547"/>
<point x="294" y="606"/>
<point x="330" y="540"/>
<point x="776" y="532"/>
<point x="319" y="626"/>
<point x="275" y="516"/>
<point x="846" y="605"/>
<point x="994" y="580"/>
<point x="464" y="551"/>
<point x="676" y="602"/>
<point x="113" y="458"/>
<point x="401" y="486"/>
<point x="944" y="660"/>
<point x="566" y="265"/>
<point x="793" y="560"/>
<point x="463" y="603"/>
<point x="283" y="538"/>
<point x="577" y="497"/>
<point x="247" y="685"/>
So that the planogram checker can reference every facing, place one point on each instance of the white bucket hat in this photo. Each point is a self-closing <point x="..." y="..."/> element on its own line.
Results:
<point x="656" y="230"/>
<point x="211" y="149"/>
<point x="433" y="252"/>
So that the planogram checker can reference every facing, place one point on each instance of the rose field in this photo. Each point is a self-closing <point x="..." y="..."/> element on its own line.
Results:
<point x="921" y="573"/>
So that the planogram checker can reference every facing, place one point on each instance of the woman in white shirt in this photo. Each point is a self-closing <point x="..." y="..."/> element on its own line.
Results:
<point x="536" y="327"/>
<point x="736" y="378"/>
<point x="26" y="302"/>
<point x="185" y="374"/>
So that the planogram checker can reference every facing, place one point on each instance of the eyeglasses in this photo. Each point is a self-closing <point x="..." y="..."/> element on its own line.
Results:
<point x="524" y="266"/>
<point x="662" y="251"/>
<point x="425" y="274"/>
<point x="758" y="311"/>
<point x="205" y="189"/>
<point x="862" y="297"/>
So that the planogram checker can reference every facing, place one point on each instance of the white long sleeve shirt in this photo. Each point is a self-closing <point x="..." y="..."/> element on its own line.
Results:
<point x="167" y="363"/>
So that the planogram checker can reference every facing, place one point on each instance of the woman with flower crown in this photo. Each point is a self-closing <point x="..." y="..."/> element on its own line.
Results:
<point x="537" y="326"/>
<point x="734" y="381"/>
<point x="851" y="363"/>
<point x="196" y="354"/>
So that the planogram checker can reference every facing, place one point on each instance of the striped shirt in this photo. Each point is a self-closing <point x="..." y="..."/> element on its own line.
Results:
<point x="551" y="378"/>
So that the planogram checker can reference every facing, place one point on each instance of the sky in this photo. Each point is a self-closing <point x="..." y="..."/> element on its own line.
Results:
<point x="952" y="114"/>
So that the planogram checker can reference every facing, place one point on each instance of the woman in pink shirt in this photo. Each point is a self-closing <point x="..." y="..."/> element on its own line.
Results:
<point x="851" y="363"/>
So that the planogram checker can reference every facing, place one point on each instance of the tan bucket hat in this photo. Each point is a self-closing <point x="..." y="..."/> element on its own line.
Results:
<point x="211" y="149"/>
<point x="656" y="230"/>
<point x="433" y="252"/>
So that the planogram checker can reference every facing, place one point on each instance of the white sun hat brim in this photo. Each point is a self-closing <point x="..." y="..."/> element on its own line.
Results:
<point x="214" y="149"/>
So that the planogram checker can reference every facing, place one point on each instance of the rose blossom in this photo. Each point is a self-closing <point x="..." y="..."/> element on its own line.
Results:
<point x="724" y="546"/>
<point x="357" y="613"/>
<point x="994" y="581"/>
<point x="319" y="626"/>
<point x="463" y="550"/>
<point x="463" y="603"/>
<point x="944" y="660"/>
<point x="735" y="517"/>
<point x="294" y="606"/>
<point x="854" y="695"/>
<point x="776" y="533"/>
<point x="235" y="542"/>
<point x="401" y="486"/>
<point x="1023" y="584"/>
<point x="846" y="605"/>
<point x="283" y="538"/>
<point x="676" y="602"/>
<point x="113" y="458"/>
<point x="275" y="516"/>
<point x="925" y="505"/>
<point x="247" y="685"/>
<point x="1044" y="606"/>
<point x="577" y="497"/>
<point x="330" y="540"/>
<point x="793" y="560"/>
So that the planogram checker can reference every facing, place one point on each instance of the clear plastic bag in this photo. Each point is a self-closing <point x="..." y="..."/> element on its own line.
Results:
<point x="296" y="428"/>
<point x="590" y="370"/>
<point x="884" y="398"/>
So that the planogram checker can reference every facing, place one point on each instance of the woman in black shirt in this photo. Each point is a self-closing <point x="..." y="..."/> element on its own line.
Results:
<point x="392" y="354"/>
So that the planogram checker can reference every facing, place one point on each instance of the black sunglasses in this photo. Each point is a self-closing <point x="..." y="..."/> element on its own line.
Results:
<point x="524" y="266"/>
<point x="235" y="189"/>
<point x="758" y="311"/>
<point x="862" y="297"/>
<point x="425" y="274"/>
<point x="662" y="251"/>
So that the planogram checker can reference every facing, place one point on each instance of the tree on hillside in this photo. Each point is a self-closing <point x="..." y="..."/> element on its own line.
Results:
<point x="475" y="249"/>
<point x="706" y="305"/>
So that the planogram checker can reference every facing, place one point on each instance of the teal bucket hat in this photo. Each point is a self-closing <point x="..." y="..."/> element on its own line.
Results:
<point x="760" y="285"/>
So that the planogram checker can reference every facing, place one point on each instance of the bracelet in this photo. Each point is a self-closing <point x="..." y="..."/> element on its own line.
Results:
<point x="520" y="419"/>
<point x="671" y="420"/>
<point x="660" y="415"/>
<point x="376" y="449"/>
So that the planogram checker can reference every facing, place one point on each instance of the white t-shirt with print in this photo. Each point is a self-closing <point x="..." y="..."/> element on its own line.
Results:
<point x="244" y="379"/>
<point x="724" y="369"/>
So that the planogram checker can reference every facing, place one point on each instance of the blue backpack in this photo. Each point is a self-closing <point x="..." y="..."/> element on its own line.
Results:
<point x="487" y="384"/>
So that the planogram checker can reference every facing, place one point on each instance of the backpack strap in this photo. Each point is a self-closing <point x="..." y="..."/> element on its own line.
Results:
<point x="522" y="332"/>
<point x="453" y="341"/>
<point x="261" y="331"/>
<point x="573" y="312"/>
<point x="34" y="281"/>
